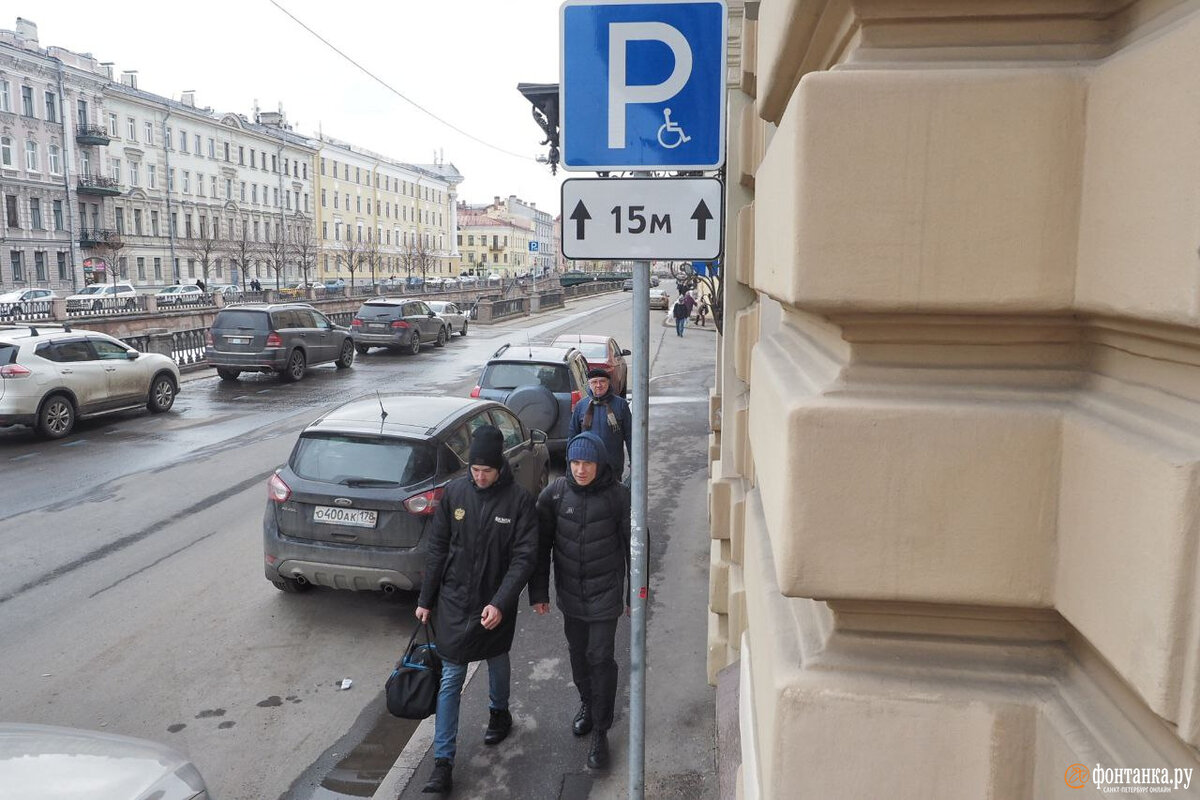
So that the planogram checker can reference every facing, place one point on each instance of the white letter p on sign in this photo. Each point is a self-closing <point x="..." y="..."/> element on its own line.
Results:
<point x="620" y="93"/>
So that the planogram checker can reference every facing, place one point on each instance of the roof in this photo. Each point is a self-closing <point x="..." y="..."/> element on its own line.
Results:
<point x="542" y="353"/>
<point x="407" y="415"/>
<point x="581" y="337"/>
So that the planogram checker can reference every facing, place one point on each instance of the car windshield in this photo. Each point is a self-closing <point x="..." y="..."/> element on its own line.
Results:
<point x="363" y="460"/>
<point x="437" y="307"/>
<point x="94" y="289"/>
<point x="510" y="376"/>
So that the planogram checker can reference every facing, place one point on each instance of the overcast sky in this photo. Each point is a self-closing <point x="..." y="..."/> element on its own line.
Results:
<point x="460" y="59"/>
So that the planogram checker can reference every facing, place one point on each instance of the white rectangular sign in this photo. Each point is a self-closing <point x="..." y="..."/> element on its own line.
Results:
<point x="642" y="218"/>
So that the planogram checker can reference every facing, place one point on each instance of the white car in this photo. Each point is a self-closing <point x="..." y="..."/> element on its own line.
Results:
<point x="180" y="295"/>
<point x="455" y="317"/>
<point x="22" y="301"/>
<point x="103" y="295"/>
<point x="42" y="762"/>
<point x="232" y="292"/>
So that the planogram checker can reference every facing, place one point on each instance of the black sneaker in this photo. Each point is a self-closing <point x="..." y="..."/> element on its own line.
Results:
<point x="499" y="724"/>
<point x="582" y="724"/>
<point x="440" y="780"/>
<point x="598" y="754"/>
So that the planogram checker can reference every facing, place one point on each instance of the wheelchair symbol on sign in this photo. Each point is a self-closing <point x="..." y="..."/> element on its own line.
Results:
<point x="673" y="132"/>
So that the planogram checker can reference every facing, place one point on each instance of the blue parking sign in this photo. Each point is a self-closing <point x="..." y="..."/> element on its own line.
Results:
<point x="642" y="85"/>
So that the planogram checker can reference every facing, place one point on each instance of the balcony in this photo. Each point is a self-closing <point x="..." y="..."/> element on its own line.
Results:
<point x="98" y="184"/>
<point x="99" y="237"/>
<point x="90" y="134"/>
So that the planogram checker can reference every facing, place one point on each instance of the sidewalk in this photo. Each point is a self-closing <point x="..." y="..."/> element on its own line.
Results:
<point x="541" y="759"/>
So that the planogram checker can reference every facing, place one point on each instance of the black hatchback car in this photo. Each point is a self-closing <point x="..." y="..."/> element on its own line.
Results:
<point x="350" y="508"/>
<point x="285" y="338"/>
<point x="398" y="323"/>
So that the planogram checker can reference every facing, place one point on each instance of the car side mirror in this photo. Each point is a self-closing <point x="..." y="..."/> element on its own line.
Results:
<point x="432" y="313"/>
<point x="626" y="352"/>
<point x="536" y="437"/>
<point x="132" y="355"/>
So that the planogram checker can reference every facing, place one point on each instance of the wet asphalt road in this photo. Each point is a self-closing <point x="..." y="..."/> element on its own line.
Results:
<point x="133" y="598"/>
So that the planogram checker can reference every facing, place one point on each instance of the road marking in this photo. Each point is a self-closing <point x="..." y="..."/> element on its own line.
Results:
<point x="75" y="443"/>
<point x="22" y="458"/>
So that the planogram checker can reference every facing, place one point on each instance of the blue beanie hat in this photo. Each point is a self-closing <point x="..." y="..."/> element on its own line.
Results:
<point x="587" y="446"/>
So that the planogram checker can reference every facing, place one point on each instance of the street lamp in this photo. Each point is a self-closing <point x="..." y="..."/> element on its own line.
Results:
<point x="544" y="98"/>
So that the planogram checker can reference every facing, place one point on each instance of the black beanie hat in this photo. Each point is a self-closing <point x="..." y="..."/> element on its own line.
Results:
<point x="598" y="372"/>
<point x="487" y="447"/>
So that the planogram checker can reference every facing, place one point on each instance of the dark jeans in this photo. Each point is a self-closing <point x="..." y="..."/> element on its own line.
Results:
<point x="593" y="667"/>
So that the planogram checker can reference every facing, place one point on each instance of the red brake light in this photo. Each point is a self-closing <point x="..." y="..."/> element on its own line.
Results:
<point x="356" y="323"/>
<point x="475" y="391"/>
<point x="14" y="371"/>
<point x="277" y="490"/>
<point x="576" y="396"/>
<point x="399" y="323"/>
<point x="425" y="503"/>
<point x="273" y="340"/>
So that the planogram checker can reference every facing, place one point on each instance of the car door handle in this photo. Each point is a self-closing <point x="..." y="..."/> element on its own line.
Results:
<point x="110" y="369"/>
<point x="65" y="371"/>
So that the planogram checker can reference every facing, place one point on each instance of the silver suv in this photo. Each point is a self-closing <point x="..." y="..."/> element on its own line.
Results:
<point x="103" y="295"/>
<point x="51" y="376"/>
<point x="285" y="338"/>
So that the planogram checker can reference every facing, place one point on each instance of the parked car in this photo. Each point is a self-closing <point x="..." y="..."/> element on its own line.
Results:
<point x="180" y="295"/>
<point x="659" y="299"/>
<point x="603" y="352"/>
<point x="540" y="384"/>
<point x="398" y="323"/>
<point x="454" y="317"/>
<point x="350" y="508"/>
<point x="43" y="762"/>
<point x="231" y="291"/>
<point x="21" y="301"/>
<point x="627" y="286"/>
<point x="51" y="376"/>
<point x="285" y="338"/>
<point x="301" y="289"/>
<point x="467" y="280"/>
<point x="103" y="295"/>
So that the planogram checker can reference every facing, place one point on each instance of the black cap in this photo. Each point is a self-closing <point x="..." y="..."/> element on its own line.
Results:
<point x="598" y="372"/>
<point x="487" y="448"/>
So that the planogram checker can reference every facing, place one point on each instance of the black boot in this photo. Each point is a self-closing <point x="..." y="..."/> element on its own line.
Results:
<point x="499" y="724"/>
<point x="440" y="780"/>
<point x="598" y="754"/>
<point x="582" y="724"/>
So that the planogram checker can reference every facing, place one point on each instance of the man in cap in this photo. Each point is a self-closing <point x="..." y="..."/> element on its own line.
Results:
<point x="606" y="415"/>
<point x="583" y="521"/>
<point x="482" y="550"/>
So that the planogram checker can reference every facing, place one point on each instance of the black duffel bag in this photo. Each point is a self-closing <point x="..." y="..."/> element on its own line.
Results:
<point x="412" y="688"/>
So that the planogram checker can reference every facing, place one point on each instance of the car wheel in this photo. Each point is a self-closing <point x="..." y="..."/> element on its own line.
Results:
<point x="228" y="374"/>
<point x="463" y="332"/>
<point x="362" y="349"/>
<point x="441" y="339"/>
<point x="347" y="356"/>
<point x="294" y="370"/>
<point x="162" y="394"/>
<point x="56" y="417"/>
<point x="291" y="585"/>
<point x="414" y="346"/>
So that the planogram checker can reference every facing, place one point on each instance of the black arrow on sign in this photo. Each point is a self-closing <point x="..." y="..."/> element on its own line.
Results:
<point x="702" y="215"/>
<point x="580" y="215"/>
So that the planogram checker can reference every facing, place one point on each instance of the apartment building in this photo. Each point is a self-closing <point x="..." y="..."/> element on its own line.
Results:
<point x="543" y="254"/>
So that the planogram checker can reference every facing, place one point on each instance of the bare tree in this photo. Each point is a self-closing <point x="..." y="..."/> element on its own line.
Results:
<point x="352" y="254"/>
<point x="203" y="244"/>
<point x="417" y="257"/>
<point x="109" y="244"/>
<point x="241" y="247"/>
<point x="304" y="244"/>
<point x="275" y="247"/>
<point x="372" y="255"/>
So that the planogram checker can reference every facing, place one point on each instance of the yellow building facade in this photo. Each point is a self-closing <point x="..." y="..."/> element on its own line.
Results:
<point x="955" y="458"/>
<point x="491" y="244"/>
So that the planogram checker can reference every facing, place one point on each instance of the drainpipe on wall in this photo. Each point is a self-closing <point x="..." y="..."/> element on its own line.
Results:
<point x="167" y="190"/>
<point x="68" y="157"/>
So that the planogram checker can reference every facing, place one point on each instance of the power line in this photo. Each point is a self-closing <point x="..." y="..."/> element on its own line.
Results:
<point x="395" y="91"/>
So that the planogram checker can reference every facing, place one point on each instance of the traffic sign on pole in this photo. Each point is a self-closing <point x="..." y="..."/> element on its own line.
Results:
<point x="642" y="218"/>
<point x="642" y="85"/>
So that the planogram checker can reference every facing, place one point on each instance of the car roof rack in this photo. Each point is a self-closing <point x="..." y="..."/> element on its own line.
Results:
<point x="65" y="327"/>
<point x="503" y="347"/>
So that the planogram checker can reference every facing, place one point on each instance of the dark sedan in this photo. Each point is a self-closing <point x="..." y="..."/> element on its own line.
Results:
<point x="350" y="508"/>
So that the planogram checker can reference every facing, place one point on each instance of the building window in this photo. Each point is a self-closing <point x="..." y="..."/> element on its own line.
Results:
<point x="62" y="266"/>
<point x="123" y="268"/>
<point x="196" y="149"/>
<point x="252" y="164"/>
<point x="253" y="189"/>
<point x="228" y="188"/>
<point x="154" y="230"/>
<point x="304" y="170"/>
<point x="200" y="184"/>
<point x="149" y="133"/>
<point x="18" y="266"/>
<point x="51" y="107"/>
<point x="242" y="156"/>
<point x="10" y="211"/>
<point x="27" y="101"/>
<point x="335" y="199"/>
<point x="170" y="180"/>
<point x="324" y="204"/>
<point x="158" y="269"/>
<point x="152" y="176"/>
<point x="31" y="156"/>
<point x="183" y="141"/>
<point x="175" y="223"/>
<point x="114" y="169"/>
<point x="243" y="192"/>
<point x="112" y="125"/>
<point x="39" y="266"/>
<point x="212" y="148"/>
<point x="212" y="184"/>
<point x="226" y="145"/>
<point x="141" y="268"/>
<point x="137" y="222"/>
<point x="55" y="155"/>
<point x="131" y="129"/>
<point x="120" y="216"/>
<point x="6" y="155"/>
<point x="5" y="97"/>
<point x="35" y="213"/>
<point x="133" y="173"/>
<point x="167" y="140"/>
<point x="58" y="215"/>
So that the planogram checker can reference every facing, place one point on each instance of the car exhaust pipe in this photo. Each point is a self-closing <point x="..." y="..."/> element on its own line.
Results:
<point x="300" y="579"/>
<point x="389" y="589"/>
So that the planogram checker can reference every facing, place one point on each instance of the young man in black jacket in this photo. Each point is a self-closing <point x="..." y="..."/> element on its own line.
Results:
<point x="482" y="551"/>
<point x="583" y="522"/>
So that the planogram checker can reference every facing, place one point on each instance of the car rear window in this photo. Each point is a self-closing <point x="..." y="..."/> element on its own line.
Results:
<point x="512" y="375"/>
<point x="593" y="351"/>
<point x="244" y="320"/>
<point x="345" y="459"/>
<point x="8" y="353"/>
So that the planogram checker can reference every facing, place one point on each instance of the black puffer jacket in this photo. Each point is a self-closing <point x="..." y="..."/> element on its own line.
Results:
<point x="482" y="549"/>
<point x="587" y="530"/>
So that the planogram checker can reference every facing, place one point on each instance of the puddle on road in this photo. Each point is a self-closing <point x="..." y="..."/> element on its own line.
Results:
<point x="358" y="771"/>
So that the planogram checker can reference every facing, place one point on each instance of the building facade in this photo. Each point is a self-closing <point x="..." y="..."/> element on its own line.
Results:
<point x="493" y="245"/>
<point x="545" y="256"/>
<point x="954" y="460"/>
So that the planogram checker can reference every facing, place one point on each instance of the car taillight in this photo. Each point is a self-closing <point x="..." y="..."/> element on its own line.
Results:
<point x="277" y="490"/>
<point x="425" y="503"/>
<point x="208" y="339"/>
<point x="356" y="323"/>
<point x="14" y="371"/>
<point x="475" y="391"/>
<point x="399" y="323"/>
<point x="273" y="340"/>
<point x="576" y="396"/>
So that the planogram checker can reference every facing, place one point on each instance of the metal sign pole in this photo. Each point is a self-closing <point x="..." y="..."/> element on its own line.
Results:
<point x="639" y="513"/>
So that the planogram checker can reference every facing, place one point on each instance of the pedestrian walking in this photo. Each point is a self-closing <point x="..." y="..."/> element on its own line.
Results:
<point x="702" y="311"/>
<point x="482" y="550"/>
<point x="607" y="415"/>
<point x="583" y="528"/>
<point x="680" y="313"/>
<point x="200" y="283"/>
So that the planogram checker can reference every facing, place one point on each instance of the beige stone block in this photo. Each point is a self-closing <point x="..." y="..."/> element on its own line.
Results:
<point x="718" y="507"/>
<point x="902" y="497"/>
<point x="737" y="603"/>
<point x="750" y="155"/>
<point x="923" y="190"/>
<point x="737" y="521"/>
<point x="717" y="654"/>
<point x="745" y="334"/>
<point x="744" y="269"/>
<point x="1127" y="552"/>
<point x="718" y="577"/>
<point x="784" y="30"/>
<point x="714" y="406"/>
<point x="1141" y="170"/>
<point x="748" y="82"/>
